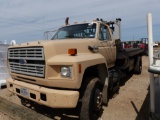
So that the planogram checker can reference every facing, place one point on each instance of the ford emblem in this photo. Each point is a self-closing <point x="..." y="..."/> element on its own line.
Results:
<point x="22" y="61"/>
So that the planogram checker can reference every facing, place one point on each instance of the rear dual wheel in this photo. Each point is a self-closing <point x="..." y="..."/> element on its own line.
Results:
<point x="138" y="65"/>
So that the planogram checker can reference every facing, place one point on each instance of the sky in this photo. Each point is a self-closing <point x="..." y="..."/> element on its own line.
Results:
<point x="27" y="20"/>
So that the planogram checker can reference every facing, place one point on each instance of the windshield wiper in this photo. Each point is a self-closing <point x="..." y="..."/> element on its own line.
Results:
<point x="69" y="36"/>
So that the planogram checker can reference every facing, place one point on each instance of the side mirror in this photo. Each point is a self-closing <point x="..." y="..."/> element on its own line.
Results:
<point x="112" y="28"/>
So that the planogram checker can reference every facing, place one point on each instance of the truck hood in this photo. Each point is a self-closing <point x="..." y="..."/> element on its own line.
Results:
<point x="57" y="47"/>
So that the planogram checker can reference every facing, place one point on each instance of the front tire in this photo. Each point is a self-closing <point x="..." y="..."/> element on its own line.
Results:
<point x="91" y="101"/>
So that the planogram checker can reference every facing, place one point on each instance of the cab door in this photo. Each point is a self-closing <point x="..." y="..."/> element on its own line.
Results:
<point x="106" y="45"/>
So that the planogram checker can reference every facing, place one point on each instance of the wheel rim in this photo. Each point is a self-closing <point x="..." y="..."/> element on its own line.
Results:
<point x="140" y="67"/>
<point x="98" y="100"/>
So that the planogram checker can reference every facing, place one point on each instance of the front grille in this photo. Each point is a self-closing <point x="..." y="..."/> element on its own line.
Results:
<point x="27" y="69"/>
<point x="26" y="53"/>
<point x="27" y="61"/>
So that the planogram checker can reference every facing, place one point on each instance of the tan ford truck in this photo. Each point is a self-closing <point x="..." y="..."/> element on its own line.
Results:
<point x="81" y="64"/>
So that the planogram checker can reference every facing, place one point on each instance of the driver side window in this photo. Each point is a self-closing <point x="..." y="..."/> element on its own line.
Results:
<point x="104" y="33"/>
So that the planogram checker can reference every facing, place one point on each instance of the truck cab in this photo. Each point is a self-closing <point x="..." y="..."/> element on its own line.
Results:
<point x="96" y="32"/>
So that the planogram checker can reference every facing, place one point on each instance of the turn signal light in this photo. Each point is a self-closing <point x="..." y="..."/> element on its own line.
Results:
<point x="72" y="51"/>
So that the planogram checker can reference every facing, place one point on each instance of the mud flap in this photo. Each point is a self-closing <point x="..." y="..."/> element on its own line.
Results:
<point x="105" y="93"/>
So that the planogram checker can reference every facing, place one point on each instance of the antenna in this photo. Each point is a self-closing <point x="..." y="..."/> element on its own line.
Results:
<point x="67" y="21"/>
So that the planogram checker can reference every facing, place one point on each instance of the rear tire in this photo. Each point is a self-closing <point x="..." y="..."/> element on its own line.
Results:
<point x="91" y="101"/>
<point x="138" y="65"/>
<point x="146" y="53"/>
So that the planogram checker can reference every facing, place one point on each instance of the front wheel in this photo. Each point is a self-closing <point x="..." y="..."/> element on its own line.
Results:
<point x="91" y="101"/>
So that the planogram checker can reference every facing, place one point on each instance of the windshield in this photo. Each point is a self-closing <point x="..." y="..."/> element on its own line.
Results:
<point x="86" y="30"/>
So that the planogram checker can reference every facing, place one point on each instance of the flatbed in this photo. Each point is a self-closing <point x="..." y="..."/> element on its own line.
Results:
<point x="129" y="52"/>
<point x="133" y="51"/>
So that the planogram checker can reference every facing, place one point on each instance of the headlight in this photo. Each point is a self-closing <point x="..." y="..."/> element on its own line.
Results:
<point x="66" y="71"/>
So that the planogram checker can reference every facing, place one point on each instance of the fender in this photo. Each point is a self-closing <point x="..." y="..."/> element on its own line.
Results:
<point x="84" y="59"/>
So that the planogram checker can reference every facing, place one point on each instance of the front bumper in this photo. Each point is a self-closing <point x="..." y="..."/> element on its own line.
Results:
<point x="45" y="96"/>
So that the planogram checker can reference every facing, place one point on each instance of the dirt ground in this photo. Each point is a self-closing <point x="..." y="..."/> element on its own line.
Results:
<point x="132" y="103"/>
